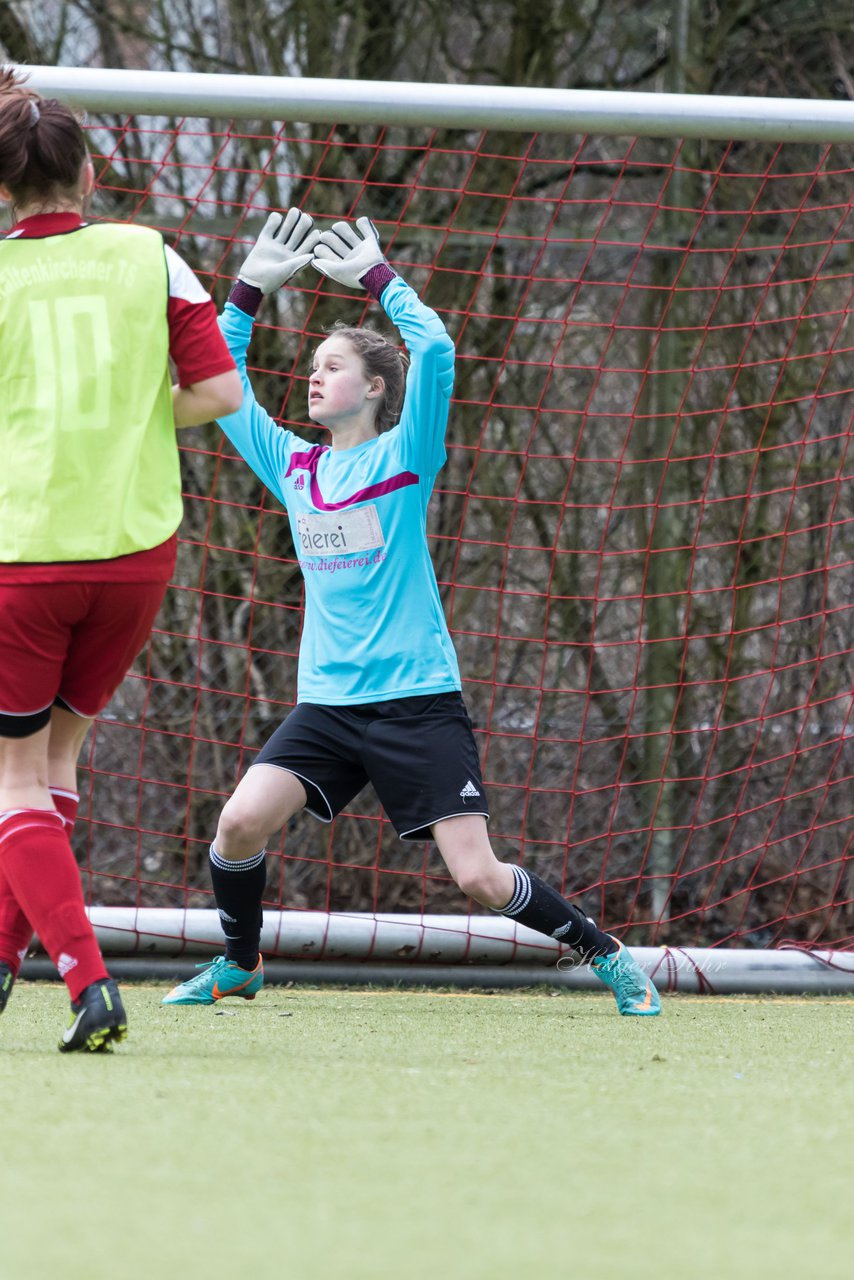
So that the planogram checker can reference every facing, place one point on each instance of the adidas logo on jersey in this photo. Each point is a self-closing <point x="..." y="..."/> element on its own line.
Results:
<point x="469" y="791"/>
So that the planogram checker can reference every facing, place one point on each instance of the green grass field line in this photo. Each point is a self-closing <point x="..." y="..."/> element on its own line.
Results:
<point x="411" y="1135"/>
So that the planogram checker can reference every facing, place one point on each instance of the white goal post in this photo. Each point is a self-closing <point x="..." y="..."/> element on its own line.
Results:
<point x="315" y="101"/>
<point x="358" y="947"/>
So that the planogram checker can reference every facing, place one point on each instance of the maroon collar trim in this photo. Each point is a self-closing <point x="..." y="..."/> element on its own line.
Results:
<point x="41" y="225"/>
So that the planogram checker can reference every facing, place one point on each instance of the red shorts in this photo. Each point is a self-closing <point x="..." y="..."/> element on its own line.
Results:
<point x="68" y="642"/>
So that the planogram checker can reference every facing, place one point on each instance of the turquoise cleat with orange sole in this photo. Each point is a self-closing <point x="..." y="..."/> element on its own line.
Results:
<point x="218" y="979"/>
<point x="635" y="994"/>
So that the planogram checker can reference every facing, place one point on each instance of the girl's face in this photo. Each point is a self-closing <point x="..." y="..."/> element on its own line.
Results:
<point x="340" y="393"/>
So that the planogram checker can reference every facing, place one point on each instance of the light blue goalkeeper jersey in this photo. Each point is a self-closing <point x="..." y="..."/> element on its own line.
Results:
<point x="374" y="626"/>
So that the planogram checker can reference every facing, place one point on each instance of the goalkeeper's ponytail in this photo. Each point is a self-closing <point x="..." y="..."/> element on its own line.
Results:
<point x="42" y="147"/>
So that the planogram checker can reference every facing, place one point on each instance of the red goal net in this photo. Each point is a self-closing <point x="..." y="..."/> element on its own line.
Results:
<point x="643" y="534"/>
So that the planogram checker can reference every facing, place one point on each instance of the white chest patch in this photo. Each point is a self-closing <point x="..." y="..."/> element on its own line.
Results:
<point x="335" y="533"/>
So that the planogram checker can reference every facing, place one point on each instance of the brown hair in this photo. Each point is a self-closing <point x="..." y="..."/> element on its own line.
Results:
<point x="380" y="359"/>
<point x="42" y="147"/>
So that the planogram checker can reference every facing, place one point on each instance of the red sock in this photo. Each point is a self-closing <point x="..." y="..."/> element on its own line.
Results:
<point x="15" y="929"/>
<point x="66" y="804"/>
<point x="36" y="858"/>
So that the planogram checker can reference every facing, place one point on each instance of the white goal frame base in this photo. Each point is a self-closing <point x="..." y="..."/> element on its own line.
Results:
<point x="490" y="950"/>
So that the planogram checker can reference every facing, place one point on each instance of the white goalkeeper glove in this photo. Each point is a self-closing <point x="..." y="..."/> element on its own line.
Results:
<point x="345" y="253"/>
<point x="284" y="246"/>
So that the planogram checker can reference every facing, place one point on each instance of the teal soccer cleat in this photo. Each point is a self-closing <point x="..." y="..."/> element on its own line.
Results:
<point x="218" y="979"/>
<point x="633" y="991"/>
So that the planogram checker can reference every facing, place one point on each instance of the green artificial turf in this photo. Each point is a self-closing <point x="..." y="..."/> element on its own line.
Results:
<point x="388" y="1135"/>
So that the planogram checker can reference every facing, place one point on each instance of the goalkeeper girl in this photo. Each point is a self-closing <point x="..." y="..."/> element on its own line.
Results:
<point x="378" y="697"/>
<point x="90" y="491"/>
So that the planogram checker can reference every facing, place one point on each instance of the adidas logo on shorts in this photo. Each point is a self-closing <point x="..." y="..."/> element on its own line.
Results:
<point x="469" y="791"/>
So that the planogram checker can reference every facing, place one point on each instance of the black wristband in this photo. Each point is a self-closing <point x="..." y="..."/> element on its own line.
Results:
<point x="247" y="297"/>
<point x="376" y="278"/>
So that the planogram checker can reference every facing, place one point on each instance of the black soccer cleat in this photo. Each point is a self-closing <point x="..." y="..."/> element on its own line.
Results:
<point x="97" y="1020"/>
<point x="7" y="979"/>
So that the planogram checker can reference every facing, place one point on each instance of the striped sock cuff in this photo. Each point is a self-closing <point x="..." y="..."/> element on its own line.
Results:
<point x="248" y="864"/>
<point x="66" y="804"/>
<point x="521" y="894"/>
<point x="13" y="821"/>
<point x="63" y="794"/>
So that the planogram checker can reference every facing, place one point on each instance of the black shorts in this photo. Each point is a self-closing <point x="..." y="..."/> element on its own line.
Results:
<point x="419" y="753"/>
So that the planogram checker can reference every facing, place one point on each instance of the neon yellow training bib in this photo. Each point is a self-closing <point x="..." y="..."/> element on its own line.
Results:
<point x="89" y="466"/>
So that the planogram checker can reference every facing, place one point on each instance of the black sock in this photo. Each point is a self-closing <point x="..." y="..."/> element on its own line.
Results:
<point x="238" y="889"/>
<point x="537" y="905"/>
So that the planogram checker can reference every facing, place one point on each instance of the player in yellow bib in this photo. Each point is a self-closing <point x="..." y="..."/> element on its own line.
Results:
<point x="90" y="494"/>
